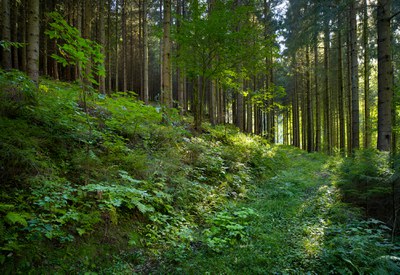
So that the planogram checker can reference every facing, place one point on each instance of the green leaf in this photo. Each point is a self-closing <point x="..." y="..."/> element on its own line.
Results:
<point x="14" y="217"/>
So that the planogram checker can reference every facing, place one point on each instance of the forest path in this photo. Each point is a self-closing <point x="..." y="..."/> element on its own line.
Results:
<point x="287" y="235"/>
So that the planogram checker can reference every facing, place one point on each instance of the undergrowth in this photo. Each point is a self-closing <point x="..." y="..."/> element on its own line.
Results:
<point x="114" y="177"/>
<point x="112" y="186"/>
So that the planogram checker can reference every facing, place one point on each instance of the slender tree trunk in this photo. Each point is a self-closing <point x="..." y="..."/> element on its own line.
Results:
<point x="327" y="113"/>
<point x="166" y="85"/>
<point x="367" y="122"/>
<point x="87" y="31"/>
<point x="310" y="123"/>
<point x="124" y="46"/>
<point x="342" y="140"/>
<point x="116" y="49"/>
<point x="102" y="30"/>
<point x="317" y="99"/>
<point x="385" y="76"/>
<point x="240" y="108"/>
<point x="15" y="34"/>
<point x="109" y="74"/>
<point x="33" y="41"/>
<point x="145" y="55"/>
<point x="355" y="120"/>
<point x="6" y="34"/>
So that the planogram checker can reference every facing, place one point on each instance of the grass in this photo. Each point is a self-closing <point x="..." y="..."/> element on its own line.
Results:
<point x="295" y="231"/>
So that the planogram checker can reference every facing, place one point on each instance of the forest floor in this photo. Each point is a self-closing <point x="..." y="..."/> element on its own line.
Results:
<point x="118" y="187"/>
<point x="301" y="226"/>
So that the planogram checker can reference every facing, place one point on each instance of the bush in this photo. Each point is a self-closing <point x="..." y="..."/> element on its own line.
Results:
<point x="365" y="180"/>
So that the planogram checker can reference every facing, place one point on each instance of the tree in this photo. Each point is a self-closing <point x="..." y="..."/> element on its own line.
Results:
<point x="6" y="34"/>
<point x="355" y="116"/>
<point x="385" y="76"/>
<point x="33" y="40"/>
<point x="145" y="54"/>
<point x="166" y="85"/>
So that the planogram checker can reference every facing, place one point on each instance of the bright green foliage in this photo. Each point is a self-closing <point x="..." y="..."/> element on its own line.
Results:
<point x="227" y="229"/>
<point x="75" y="50"/>
<point x="7" y="45"/>
<point x="224" y="44"/>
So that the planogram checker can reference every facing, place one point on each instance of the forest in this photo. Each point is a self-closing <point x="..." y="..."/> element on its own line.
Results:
<point x="200" y="137"/>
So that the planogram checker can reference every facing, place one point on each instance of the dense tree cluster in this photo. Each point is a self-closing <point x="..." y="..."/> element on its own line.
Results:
<point x="341" y="86"/>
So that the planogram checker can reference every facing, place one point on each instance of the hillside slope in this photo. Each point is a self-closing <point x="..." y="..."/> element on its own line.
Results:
<point x="105" y="184"/>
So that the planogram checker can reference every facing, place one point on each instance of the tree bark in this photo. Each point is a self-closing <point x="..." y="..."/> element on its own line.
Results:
<point x="355" y="113"/>
<point x="310" y="123"/>
<point x="6" y="34"/>
<point x="317" y="100"/>
<point x="102" y="38"/>
<point x="385" y="76"/>
<point x="327" y="118"/>
<point x="342" y="139"/>
<point x="145" y="55"/>
<point x="166" y="86"/>
<point x="124" y="46"/>
<point x="33" y="41"/>
<point x="367" y="122"/>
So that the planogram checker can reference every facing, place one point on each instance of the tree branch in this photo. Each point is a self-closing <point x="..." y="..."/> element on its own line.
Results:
<point x="394" y="15"/>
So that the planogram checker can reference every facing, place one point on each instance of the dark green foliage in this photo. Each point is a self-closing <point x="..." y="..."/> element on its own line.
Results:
<point x="366" y="181"/>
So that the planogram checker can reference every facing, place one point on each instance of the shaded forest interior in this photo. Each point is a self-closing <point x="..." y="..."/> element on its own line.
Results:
<point x="319" y="75"/>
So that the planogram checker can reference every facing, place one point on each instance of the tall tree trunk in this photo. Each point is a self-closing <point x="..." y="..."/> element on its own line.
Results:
<point x="348" y="90"/>
<point x="109" y="74"/>
<point x="367" y="122"/>
<point x="33" y="41"/>
<point x="116" y="48"/>
<point x="6" y="34"/>
<point x="240" y="108"/>
<point x="327" y="113"/>
<point x="385" y="76"/>
<point x="317" y="99"/>
<point x="15" y="34"/>
<point x="124" y="46"/>
<point x="310" y="123"/>
<point x="342" y="140"/>
<point x="87" y="31"/>
<point x="355" y="119"/>
<point x="166" y="85"/>
<point x="145" y="55"/>
<point x="102" y="40"/>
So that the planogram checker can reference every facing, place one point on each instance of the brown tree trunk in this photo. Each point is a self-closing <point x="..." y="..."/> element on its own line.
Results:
<point x="317" y="100"/>
<point x="124" y="46"/>
<point x="33" y="40"/>
<point x="342" y="140"/>
<point x="385" y="76"/>
<point x="145" y="55"/>
<point x="327" y="118"/>
<point x="166" y="85"/>
<point x="310" y="123"/>
<point x="6" y="34"/>
<point x="102" y="40"/>
<point x="355" y="120"/>
<point x="367" y="122"/>
<point x="15" y="34"/>
<point x="87" y="30"/>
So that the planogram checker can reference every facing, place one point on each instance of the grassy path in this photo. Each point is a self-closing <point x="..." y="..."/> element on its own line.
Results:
<point x="286" y="231"/>
<point x="301" y="227"/>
